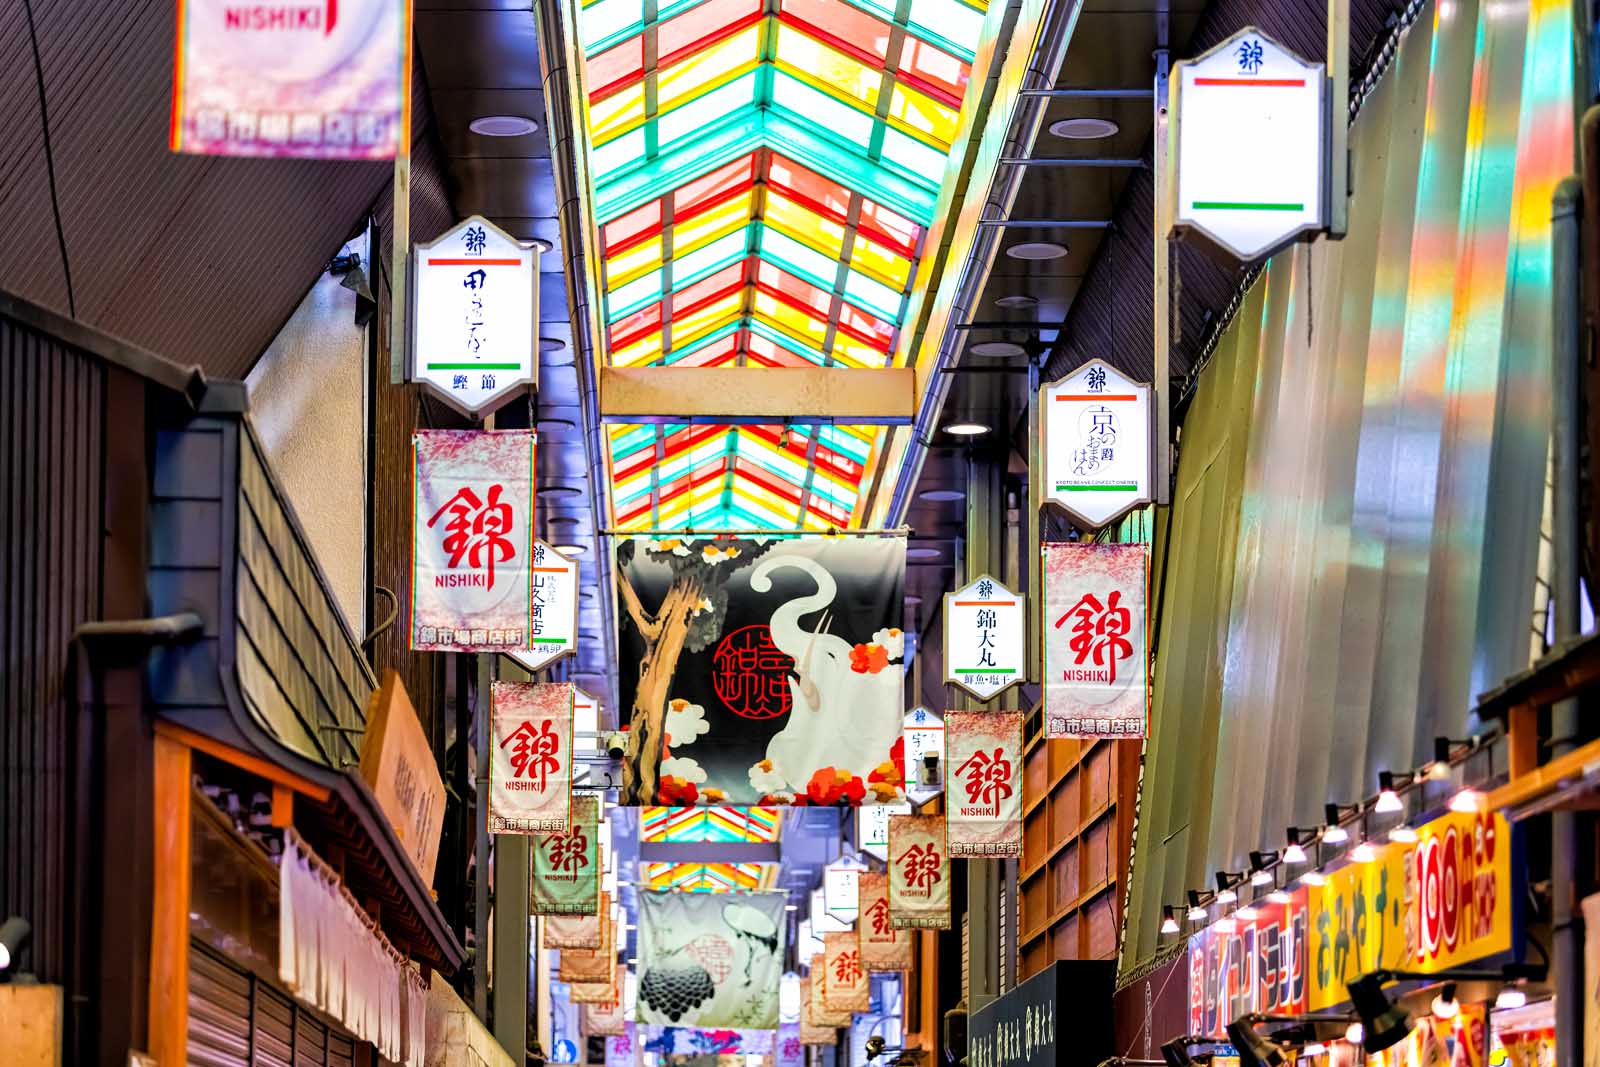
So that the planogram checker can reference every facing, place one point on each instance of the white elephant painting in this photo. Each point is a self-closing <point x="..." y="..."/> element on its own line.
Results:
<point x="846" y="707"/>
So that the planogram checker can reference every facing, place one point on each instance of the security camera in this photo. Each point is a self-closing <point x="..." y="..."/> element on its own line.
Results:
<point x="616" y="744"/>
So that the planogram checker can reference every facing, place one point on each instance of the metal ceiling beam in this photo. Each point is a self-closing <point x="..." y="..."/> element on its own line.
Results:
<point x="885" y="396"/>
<point x="710" y="852"/>
<point x="1088" y="161"/>
<point x="1090" y="94"/>
<point x="1048" y="224"/>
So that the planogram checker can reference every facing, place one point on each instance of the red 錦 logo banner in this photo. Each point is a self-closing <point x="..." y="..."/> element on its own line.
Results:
<point x="919" y="872"/>
<point x="983" y="790"/>
<point x="530" y="759"/>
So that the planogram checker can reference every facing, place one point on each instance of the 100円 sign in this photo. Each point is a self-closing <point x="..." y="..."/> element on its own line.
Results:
<point x="1097" y="431"/>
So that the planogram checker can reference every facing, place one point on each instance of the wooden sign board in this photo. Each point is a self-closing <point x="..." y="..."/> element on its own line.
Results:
<point x="398" y="766"/>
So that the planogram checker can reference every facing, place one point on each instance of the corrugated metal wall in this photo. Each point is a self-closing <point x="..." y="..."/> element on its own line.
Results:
<point x="1360" y="481"/>
<point x="51" y="400"/>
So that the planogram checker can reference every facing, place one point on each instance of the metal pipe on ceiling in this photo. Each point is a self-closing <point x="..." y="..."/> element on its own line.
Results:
<point x="1048" y="224"/>
<point x="1088" y="161"/>
<point x="1090" y="94"/>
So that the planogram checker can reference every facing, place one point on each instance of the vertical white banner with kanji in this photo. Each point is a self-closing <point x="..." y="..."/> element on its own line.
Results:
<point x="883" y="948"/>
<point x="983" y="796"/>
<point x="919" y="873"/>
<point x="530" y="759"/>
<point x="1096" y="648"/>
<point x="566" y="865"/>
<point x="472" y="540"/>
<point x="845" y="986"/>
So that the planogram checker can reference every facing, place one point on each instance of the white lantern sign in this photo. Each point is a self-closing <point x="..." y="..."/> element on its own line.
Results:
<point x="552" y="610"/>
<point x="923" y="735"/>
<point x="475" y="309"/>
<point x="1097" y="429"/>
<point x="984" y="638"/>
<point x="841" y="890"/>
<point x="1250" y="123"/>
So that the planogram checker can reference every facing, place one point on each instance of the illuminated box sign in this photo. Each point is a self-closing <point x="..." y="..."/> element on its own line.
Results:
<point x="1097" y="443"/>
<point x="552" y="614"/>
<point x="1259" y="964"/>
<point x="1250" y="130"/>
<point x="985" y="638"/>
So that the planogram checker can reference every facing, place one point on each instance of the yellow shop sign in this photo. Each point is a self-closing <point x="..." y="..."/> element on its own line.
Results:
<point x="1440" y="902"/>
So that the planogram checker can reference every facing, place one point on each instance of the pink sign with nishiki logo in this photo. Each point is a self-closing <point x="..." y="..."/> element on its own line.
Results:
<point x="530" y="760"/>
<point x="983" y="794"/>
<point x="1096" y="647"/>
<point x="1237" y="966"/>
<point x="472" y="540"/>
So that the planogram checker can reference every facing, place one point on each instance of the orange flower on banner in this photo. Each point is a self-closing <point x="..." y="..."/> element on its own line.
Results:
<point x="776" y="800"/>
<point x="712" y="796"/>
<point x="868" y="659"/>
<point x="833" y="786"/>
<point x="885" y="780"/>
<point x="677" y="790"/>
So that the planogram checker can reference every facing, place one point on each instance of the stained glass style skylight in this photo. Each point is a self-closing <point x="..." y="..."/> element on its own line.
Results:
<point x="710" y="877"/>
<point x="762" y="176"/>
<point x="709" y="824"/>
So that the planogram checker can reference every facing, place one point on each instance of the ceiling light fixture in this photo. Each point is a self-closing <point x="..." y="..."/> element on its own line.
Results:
<point x="1354" y="1033"/>
<point x="1035" y="251"/>
<point x="571" y="551"/>
<point x="1444" y="1005"/>
<point x="966" y="429"/>
<point x="1510" y="997"/>
<point x="1279" y="896"/>
<point x="1467" y="802"/>
<point x="1403" y="835"/>
<point x="1084" y="129"/>
<point x="997" y="349"/>
<point x="1313" y="878"/>
<point x="15" y="933"/>
<point x="1316" y="1048"/>
<point x="1363" y="852"/>
<point x="1388" y="798"/>
<point x="1197" y="904"/>
<point x="1016" y="302"/>
<point x="1247" y="912"/>
<point x="1261" y="864"/>
<point x="1294" y="854"/>
<point x="1226" y="881"/>
<point x="941" y="496"/>
<point x="502" y="126"/>
<point x="1169" y="919"/>
<point x="1335" y="835"/>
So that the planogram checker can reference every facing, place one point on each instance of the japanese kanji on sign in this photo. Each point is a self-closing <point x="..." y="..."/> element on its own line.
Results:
<point x="1096" y="652"/>
<point x="552" y="609"/>
<point x="845" y="986"/>
<point x="983" y="793"/>
<point x="622" y="1050"/>
<point x="577" y="931"/>
<point x="1097" y="443"/>
<point x="1226" y="979"/>
<point x="921" y="736"/>
<point x="985" y="642"/>
<point x="592" y="967"/>
<point x="1249" y="90"/>
<point x="872" y="827"/>
<point x="566" y="865"/>
<point x="817" y="1003"/>
<point x="530" y="765"/>
<point x="919" y="872"/>
<point x="790" y="1050"/>
<point x="606" y="1018"/>
<point x="840" y="889"/>
<point x="472" y="539"/>
<point x="475" y="310"/>
<point x="326" y="80"/>
<point x="883" y="948"/>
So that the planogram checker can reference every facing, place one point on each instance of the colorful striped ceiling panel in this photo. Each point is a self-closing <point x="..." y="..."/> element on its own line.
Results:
<point x="709" y="824"/>
<point x="710" y="877"/>
<point x="762" y="175"/>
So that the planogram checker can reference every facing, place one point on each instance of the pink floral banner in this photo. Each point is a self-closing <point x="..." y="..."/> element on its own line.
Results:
<point x="471" y="540"/>
<point x="577" y="931"/>
<point x="919" y="873"/>
<point x="1096" y="648"/>
<point x="983" y="795"/>
<point x="530" y="764"/>
<point x="883" y="948"/>
<point x="845" y="986"/>
<point x="566" y="865"/>
<point x="789" y="1050"/>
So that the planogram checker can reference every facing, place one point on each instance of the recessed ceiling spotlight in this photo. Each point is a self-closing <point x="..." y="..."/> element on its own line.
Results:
<point x="562" y="520"/>
<point x="966" y="429"/>
<point x="1036" y="250"/>
<point x="922" y="553"/>
<point x="502" y="126"/>
<point x="571" y="551"/>
<point x="941" y="496"/>
<point x="551" y="426"/>
<point x="559" y="490"/>
<point x="996" y="349"/>
<point x="1084" y="129"/>
<point x="552" y="344"/>
<point x="1017" y="302"/>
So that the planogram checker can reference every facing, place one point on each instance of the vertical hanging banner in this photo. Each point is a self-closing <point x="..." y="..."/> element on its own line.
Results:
<point x="985" y="638"/>
<point x="591" y="971"/>
<point x="983" y="795"/>
<point x="324" y="80"/>
<point x="872" y="827"/>
<point x="474" y="316"/>
<point x="919" y="873"/>
<point x="770" y="671"/>
<point x="622" y="1050"/>
<point x="552" y="610"/>
<point x="566" y="865"/>
<point x="845" y="985"/>
<point x="530" y="763"/>
<point x="812" y="1031"/>
<point x="1096" y="648"/>
<point x="711" y="960"/>
<point x="471" y="539"/>
<point x="883" y="948"/>
<point x="817" y="1000"/>
<point x="1097" y="444"/>
<point x="577" y="931"/>
<point x="841" y="890"/>
<point x="606" y="1017"/>
<point x="790" y="1051"/>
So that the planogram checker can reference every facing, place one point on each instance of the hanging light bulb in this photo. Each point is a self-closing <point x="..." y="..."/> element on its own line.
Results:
<point x="1510" y="997"/>
<point x="1439" y="770"/>
<point x="1247" y="912"/>
<point x="1335" y="835"/>
<point x="1363" y="853"/>
<point x="1197" y="914"/>
<point x="1279" y="896"/>
<point x="1467" y="802"/>
<point x="1353" y="1033"/>
<point x="1403" y="835"/>
<point x="1226" y="896"/>
<point x="1169" y="921"/>
<point x="1314" y="878"/>
<point x="1388" y="800"/>
<point x="1261" y="878"/>
<point x="1294" y="853"/>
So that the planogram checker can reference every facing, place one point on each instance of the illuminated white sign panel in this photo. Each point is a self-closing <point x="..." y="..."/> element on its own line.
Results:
<point x="1097" y="429"/>
<point x="923" y="734"/>
<point x="475" y="306"/>
<point x="984" y="638"/>
<point x="553" y="619"/>
<point x="1251" y="134"/>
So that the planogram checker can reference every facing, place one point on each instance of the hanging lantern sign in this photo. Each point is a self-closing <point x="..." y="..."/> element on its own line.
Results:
<point x="552" y="610"/>
<point x="530" y="765"/>
<point x="919" y="873"/>
<point x="984" y="794"/>
<point x="985" y="642"/>
<point x="474" y="316"/>
<point x="921" y="737"/>
<point x="883" y="948"/>
<point x="1097" y="443"/>
<point x="872" y="827"/>
<point x="845" y="984"/>
<point x="471" y="540"/>
<point x="324" y="80"/>
<point x="1096" y="652"/>
<point x="839" y="890"/>
<point x="566" y="865"/>
<point x="1250" y="90"/>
